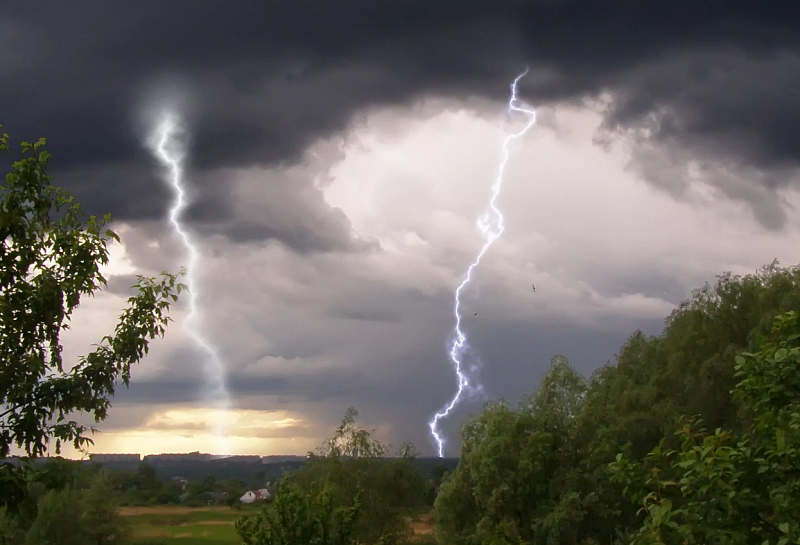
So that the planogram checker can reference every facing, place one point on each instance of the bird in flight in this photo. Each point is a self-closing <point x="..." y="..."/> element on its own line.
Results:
<point x="534" y="287"/>
<point x="476" y="314"/>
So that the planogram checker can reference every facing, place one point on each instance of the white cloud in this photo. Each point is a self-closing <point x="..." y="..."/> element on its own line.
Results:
<point x="604" y="249"/>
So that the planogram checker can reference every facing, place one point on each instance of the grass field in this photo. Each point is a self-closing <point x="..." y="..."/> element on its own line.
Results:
<point x="175" y="525"/>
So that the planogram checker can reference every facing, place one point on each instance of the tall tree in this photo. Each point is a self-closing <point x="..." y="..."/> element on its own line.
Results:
<point x="720" y="488"/>
<point x="50" y="257"/>
<point x="104" y="524"/>
<point x="59" y="520"/>
<point x="347" y="477"/>
<point x="511" y="484"/>
<point x="302" y="517"/>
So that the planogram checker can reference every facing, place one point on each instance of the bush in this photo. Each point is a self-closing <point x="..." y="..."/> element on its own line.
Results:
<point x="302" y="517"/>
<point x="59" y="520"/>
<point x="10" y="532"/>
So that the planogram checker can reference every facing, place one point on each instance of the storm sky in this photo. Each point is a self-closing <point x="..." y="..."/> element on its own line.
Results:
<point x="340" y="153"/>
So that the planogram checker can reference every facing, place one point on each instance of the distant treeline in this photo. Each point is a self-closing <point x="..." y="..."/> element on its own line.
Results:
<point x="197" y="471"/>
<point x="221" y="470"/>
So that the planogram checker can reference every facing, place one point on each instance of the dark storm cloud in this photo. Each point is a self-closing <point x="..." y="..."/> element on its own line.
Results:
<point x="269" y="78"/>
<point x="381" y="378"/>
<point x="251" y="205"/>
<point x="123" y="284"/>
<point x="186" y="386"/>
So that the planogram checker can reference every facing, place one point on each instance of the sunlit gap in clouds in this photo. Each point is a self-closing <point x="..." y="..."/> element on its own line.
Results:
<point x="175" y="428"/>
<point x="167" y="142"/>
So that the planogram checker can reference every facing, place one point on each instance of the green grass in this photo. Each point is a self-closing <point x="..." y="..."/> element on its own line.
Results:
<point x="173" y="525"/>
<point x="169" y="525"/>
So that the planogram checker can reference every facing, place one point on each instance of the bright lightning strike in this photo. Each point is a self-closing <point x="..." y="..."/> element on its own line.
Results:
<point x="168" y="150"/>
<point x="491" y="225"/>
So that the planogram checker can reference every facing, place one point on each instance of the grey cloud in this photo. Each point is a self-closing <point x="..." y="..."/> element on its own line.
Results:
<point x="269" y="79"/>
<point x="165" y="424"/>
<point x="393" y="364"/>
<point x="731" y="116"/>
<point x="121" y="284"/>
<point x="281" y="75"/>
<point x="280" y="205"/>
<point x="368" y="315"/>
<point x="372" y="301"/>
<point x="652" y="283"/>
<point x="751" y="97"/>
<point x="401" y="376"/>
<point x="284" y="388"/>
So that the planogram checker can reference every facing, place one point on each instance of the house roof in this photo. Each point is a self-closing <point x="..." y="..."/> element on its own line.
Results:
<point x="261" y="493"/>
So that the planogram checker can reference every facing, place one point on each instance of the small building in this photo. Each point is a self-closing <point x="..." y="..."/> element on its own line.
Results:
<point x="180" y="481"/>
<point x="253" y="495"/>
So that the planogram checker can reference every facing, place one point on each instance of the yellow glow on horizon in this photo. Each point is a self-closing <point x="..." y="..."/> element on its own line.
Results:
<point x="188" y="429"/>
<point x="236" y="421"/>
<point x="146" y="442"/>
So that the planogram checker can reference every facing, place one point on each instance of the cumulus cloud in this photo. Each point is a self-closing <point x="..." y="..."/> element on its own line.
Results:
<point x="340" y="153"/>
<point x="718" y="78"/>
<point x="309" y="334"/>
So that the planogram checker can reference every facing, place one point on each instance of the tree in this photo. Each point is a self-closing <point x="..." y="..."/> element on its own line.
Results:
<point x="57" y="473"/>
<point x="636" y="403"/>
<point x="540" y="474"/>
<point x="511" y="484"/>
<point x="104" y="525"/>
<point x="302" y="517"/>
<point x="259" y="479"/>
<point x="146" y="478"/>
<point x="347" y="471"/>
<point x="438" y="474"/>
<point x="49" y="259"/>
<point x="352" y="441"/>
<point x="10" y="532"/>
<point x="59" y="520"/>
<point x="705" y="333"/>
<point x="720" y="488"/>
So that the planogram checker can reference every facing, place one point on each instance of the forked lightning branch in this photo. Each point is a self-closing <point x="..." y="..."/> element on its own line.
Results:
<point x="169" y="150"/>
<point x="492" y="226"/>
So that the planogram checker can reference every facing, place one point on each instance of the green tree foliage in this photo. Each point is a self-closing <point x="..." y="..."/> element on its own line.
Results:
<point x="59" y="520"/>
<point x="57" y="473"/>
<point x="352" y="463"/>
<point x="10" y="531"/>
<point x="688" y="370"/>
<point x="720" y="488"/>
<point x="13" y="486"/>
<point x="302" y="517"/>
<point x="349" y="470"/>
<point x="145" y="478"/>
<point x="49" y="259"/>
<point x="29" y="483"/>
<point x="231" y="490"/>
<point x="438" y="474"/>
<point x="85" y="498"/>
<point x="539" y="474"/>
<point x="510" y="482"/>
<point x="104" y="525"/>
<point x="259" y="479"/>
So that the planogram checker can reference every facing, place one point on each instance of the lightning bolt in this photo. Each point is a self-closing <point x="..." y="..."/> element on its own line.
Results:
<point x="167" y="149"/>
<point x="492" y="226"/>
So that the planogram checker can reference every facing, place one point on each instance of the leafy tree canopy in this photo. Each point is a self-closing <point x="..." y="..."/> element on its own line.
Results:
<point x="348" y="485"/>
<point x="541" y="473"/>
<point x="50" y="257"/>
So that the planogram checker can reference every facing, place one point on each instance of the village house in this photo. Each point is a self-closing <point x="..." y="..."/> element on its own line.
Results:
<point x="252" y="495"/>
